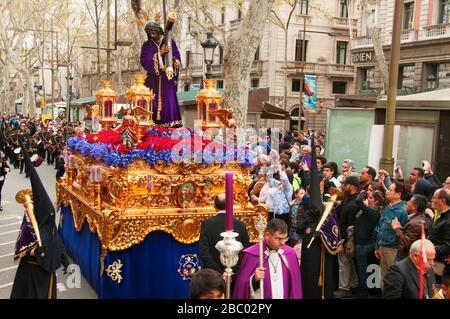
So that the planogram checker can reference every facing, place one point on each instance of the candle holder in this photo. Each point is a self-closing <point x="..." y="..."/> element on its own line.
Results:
<point x="106" y="99"/>
<point x="260" y="226"/>
<point x="95" y="177"/>
<point x="229" y="249"/>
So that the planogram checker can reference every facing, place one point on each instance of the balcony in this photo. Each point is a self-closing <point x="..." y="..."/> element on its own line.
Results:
<point x="294" y="68"/>
<point x="191" y="71"/>
<point x="343" y="23"/>
<point x="435" y="32"/>
<point x="362" y="42"/>
<point x="234" y="24"/>
<point x="408" y="36"/>
<point x="257" y="68"/>
<point x="340" y="70"/>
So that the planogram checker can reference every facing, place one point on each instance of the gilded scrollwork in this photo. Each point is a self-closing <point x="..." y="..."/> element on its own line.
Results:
<point x="128" y="210"/>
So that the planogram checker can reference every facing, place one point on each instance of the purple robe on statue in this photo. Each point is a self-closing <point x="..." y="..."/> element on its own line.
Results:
<point x="292" y="283"/>
<point x="164" y="90"/>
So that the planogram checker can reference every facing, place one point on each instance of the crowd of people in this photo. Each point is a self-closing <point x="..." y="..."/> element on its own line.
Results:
<point x="43" y="140"/>
<point x="379" y="218"/>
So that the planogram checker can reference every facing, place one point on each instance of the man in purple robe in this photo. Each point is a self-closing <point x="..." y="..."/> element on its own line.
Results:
<point x="166" y="110"/>
<point x="281" y="271"/>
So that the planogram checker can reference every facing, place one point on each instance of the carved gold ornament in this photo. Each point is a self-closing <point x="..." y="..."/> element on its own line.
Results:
<point x="122" y="210"/>
<point x="113" y="271"/>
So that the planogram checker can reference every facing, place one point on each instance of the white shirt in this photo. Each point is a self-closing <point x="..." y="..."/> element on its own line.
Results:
<point x="276" y="274"/>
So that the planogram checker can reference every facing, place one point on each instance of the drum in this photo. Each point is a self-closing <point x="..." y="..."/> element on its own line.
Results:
<point x="17" y="150"/>
<point x="37" y="160"/>
<point x="50" y="148"/>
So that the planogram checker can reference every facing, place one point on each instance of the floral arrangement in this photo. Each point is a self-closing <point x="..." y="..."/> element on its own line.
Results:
<point x="158" y="144"/>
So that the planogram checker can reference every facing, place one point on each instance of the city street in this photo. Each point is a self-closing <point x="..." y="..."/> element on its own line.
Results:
<point x="69" y="287"/>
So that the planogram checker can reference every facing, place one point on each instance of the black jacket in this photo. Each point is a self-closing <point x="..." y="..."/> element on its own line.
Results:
<point x="365" y="222"/>
<point x="402" y="281"/>
<point x="346" y="214"/>
<point x="440" y="236"/>
<point x="210" y="230"/>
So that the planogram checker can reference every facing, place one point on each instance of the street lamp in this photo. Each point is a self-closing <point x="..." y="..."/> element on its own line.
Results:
<point x="431" y="82"/>
<point x="208" y="49"/>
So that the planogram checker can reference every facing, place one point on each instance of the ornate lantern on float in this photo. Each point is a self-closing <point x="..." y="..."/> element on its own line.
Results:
<point x="106" y="99"/>
<point x="209" y="100"/>
<point x="140" y="99"/>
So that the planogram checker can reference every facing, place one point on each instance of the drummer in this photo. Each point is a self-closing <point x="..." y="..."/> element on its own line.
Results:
<point x="59" y="143"/>
<point x="15" y="148"/>
<point x="50" y="146"/>
<point x="41" y="140"/>
<point x="29" y="146"/>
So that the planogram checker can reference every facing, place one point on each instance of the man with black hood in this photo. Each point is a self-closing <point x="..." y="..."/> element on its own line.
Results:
<point x="318" y="261"/>
<point x="39" y="248"/>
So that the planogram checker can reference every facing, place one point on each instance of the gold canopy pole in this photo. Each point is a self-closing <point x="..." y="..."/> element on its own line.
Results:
<point x="25" y="197"/>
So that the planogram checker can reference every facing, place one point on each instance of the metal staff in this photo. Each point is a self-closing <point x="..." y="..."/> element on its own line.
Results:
<point x="25" y="197"/>
<point x="423" y="259"/>
<point x="326" y="213"/>
<point x="260" y="226"/>
<point x="229" y="249"/>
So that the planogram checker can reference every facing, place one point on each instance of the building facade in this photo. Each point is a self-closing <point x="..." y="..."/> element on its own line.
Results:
<point x="425" y="46"/>
<point x="327" y="56"/>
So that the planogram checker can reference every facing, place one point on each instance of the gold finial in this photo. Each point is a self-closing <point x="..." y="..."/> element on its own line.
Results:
<point x="24" y="196"/>
<point x="158" y="17"/>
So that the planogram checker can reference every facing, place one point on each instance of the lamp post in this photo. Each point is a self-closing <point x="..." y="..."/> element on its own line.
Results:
<point x="209" y="46"/>
<point x="431" y="82"/>
<point x="387" y="162"/>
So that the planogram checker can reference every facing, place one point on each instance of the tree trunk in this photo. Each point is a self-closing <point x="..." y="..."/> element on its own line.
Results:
<point x="377" y="46"/>
<point x="285" y="69"/>
<point x="379" y="53"/>
<point x="239" y="54"/>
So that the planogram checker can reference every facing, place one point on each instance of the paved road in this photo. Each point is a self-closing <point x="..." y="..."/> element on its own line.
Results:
<point x="69" y="287"/>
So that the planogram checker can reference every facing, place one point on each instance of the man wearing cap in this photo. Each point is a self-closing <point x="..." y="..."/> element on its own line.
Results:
<point x="346" y="213"/>
<point x="166" y="110"/>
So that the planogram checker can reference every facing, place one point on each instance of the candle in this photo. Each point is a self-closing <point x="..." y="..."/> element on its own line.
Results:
<point x="149" y="182"/>
<point x="70" y="162"/>
<point x="91" y="174"/>
<point x="97" y="174"/>
<point x="229" y="201"/>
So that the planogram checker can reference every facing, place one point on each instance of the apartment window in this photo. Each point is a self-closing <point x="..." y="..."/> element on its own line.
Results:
<point x="343" y="9"/>
<point x="189" y="24"/>
<point x="222" y="18"/>
<point x="408" y="14"/>
<point x="219" y="84"/>
<point x="443" y="78"/>
<point x="405" y="77"/>
<point x="339" y="87"/>
<point x="367" y="78"/>
<point x="239" y="12"/>
<point x="298" y="50"/>
<point x="186" y="87"/>
<point x="188" y="58"/>
<point x="255" y="83"/>
<point x="257" y="54"/>
<point x="341" y="52"/>
<point x="295" y="85"/>
<point x="444" y="11"/>
<point x="303" y="4"/>
<point x="220" y="55"/>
